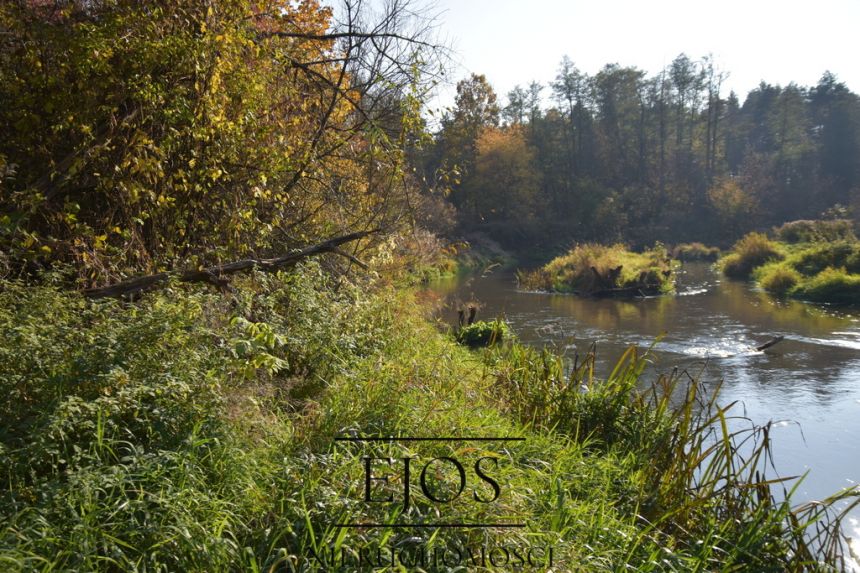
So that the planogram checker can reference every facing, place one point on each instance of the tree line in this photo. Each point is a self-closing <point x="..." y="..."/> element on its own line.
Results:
<point x="623" y="155"/>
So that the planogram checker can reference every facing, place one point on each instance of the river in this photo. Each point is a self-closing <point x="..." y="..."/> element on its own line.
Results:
<point x="808" y="384"/>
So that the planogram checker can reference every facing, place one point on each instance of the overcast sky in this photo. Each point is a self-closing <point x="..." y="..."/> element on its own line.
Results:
<point x="517" y="41"/>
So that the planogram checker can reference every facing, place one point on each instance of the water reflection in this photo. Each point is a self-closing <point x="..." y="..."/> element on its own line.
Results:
<point x="713" y="326"/>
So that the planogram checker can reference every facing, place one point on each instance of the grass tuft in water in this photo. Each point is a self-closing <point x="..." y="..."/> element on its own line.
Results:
<point x="753" y="250"/>
<point x="601" y="270"/>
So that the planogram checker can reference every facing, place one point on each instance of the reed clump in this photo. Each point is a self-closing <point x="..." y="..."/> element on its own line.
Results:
<point x="819" y="262"/>
<point x="752" y="251"/>
<point x="605" y="270"/>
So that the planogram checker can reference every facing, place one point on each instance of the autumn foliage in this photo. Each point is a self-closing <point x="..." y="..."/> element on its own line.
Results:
<point x="147" y="135"/>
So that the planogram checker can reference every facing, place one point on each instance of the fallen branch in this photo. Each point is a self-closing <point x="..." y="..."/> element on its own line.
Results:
<point x="769" y="343"/>
<point x="215" y="274"/>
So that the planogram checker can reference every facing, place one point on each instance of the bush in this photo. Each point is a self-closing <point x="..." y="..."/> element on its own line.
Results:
<point x="777" y="278"/>
<point x="811" y="231"/>
<point x="483" y="333"/>
<point x="695" y="252"/>
<point x="831" y="285"/>
<point x="593" y="269"/>
<point x="819" y="256"/>
<point x="752" y="251"/>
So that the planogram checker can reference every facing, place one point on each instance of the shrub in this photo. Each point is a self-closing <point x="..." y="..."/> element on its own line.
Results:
<point x="483" y="333"/>
<point x="833" y="285"/>
<point x="777" y="278"/>
<point x="752" y="251"/>
<point x="810" y="231"/>
<point x="695" y="252"/>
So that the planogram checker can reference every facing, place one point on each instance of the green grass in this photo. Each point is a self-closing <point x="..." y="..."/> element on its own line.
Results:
<point x="826" y="271"/>
<point x="483" y="333"/>
<point x="192" y="432"/>
<point x="778" y="278"/>
<point x="830" y="285"/>
<point x="695" y="252"/>
<point x="752" y="251"/>
<point x="592" y="269"/>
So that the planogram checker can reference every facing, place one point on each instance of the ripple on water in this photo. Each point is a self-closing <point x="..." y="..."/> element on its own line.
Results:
<point x="693" y="291"/>
<point x="719" y="351"/>
<point x="834" y="342"/>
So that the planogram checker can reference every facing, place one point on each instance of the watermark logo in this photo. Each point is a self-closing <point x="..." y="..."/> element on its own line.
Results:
<point x="392" y="485"/>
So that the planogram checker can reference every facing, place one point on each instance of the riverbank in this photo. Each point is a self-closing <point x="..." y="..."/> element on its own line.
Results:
<point x="816" y="261"/>
<point x="189" y="432"/>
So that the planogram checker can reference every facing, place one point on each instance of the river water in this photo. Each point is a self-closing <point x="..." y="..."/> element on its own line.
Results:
<point x="809" y="384"/>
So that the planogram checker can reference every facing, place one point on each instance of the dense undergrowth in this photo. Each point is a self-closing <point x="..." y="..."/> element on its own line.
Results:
<point x="605" y="270"/>
<point x="193" y="431"/>
<point x="818" y="261"/>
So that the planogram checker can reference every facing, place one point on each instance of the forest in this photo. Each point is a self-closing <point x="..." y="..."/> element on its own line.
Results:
<point x="623" y="156"/>
<point x="217" y="221"/>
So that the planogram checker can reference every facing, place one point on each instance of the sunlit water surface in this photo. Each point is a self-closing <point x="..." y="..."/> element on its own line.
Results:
<point x="809" y="384"/>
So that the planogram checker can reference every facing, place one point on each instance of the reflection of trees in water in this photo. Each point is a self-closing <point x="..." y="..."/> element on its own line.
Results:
<point x="818" y="318"/>
<point x="610" y="314"/>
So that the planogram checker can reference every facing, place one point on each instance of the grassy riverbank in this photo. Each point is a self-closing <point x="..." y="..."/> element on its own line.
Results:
<point x="818" y="261"/>
<point x="605" y="270"/>
<point x="192" y="432"/>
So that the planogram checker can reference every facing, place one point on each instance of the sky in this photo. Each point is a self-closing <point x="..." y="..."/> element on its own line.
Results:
<point x="516" y="41"/>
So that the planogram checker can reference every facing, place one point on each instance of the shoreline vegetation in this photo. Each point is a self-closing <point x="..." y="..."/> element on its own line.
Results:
<point x="695" y="252"/>
<point x="199" y="426"/>
<point x="815" y="261"/>
<point x="188" y="432"/>
<point x="605" y="270"/>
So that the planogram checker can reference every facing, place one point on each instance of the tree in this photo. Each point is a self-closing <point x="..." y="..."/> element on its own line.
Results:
<point x="618" y="97"/>
<point x="475" y="108"/>
<point x="836" y="113"/>
<point x="733" y="205"/>
<point x="570" y="88"/>
<point x="515" y="112"/>
<point x="195" y="131"/>
<point x="505" y="182"/>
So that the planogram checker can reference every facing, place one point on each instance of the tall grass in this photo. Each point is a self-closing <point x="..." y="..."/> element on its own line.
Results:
<point x="817" y="271"/>
<point x="590" y="269"/>
<point x="752" y="251"/>
<point x="695" y="252"/>
<point x="701" y="471"/>
<point x="830" y="285"/>
<point x="188" y="432"/>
